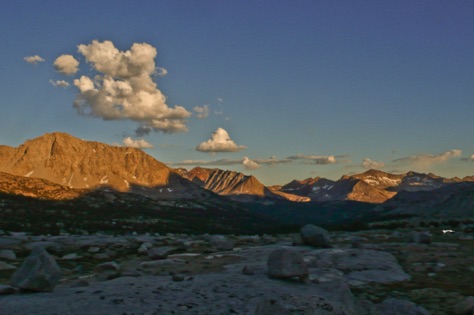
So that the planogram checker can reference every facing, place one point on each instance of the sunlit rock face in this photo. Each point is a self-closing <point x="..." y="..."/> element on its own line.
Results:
<point x="236" y="185"/>
<point x="226" y="182"/>
<point x="372" y="186"/>
<point x="76" y="163"/>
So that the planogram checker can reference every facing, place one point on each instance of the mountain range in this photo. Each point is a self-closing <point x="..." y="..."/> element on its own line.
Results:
<point x="58" y="166"/>
<point x="372" y="186"/>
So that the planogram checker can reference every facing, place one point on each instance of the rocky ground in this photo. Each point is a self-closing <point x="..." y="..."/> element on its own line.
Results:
<point x="367" y="272"/>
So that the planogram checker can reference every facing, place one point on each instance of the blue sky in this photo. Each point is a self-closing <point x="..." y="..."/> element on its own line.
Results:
<point x="289" y="89"/>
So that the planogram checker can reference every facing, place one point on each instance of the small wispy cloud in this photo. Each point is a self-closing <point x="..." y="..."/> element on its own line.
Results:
<point x="136" y="143"/>
<point x="273" y="160"/>
<point x="424" y="161"/>
<point x="314" y="159"/>
<point x="246" y="162"/>
<point x="220" y="162"/>
<point x="468" y="159"/>
<point x="201" y="111"/>
<point x="370" y="164"/>
<point x="220" y="142"/>
<point x="59" y="83"/>
<point x="33" y="59"/>
<point x="161" y="72"/>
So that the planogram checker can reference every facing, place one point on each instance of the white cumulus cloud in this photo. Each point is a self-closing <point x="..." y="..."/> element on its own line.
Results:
<point x="220" y="142"/>
<point x="137" y="143"/>
<point x="123" y="88"/>
<point x="249" y="164"/>
<point x="201" y="111"/>
<point x="369" y="164"/>
<point x="59" y="83"/>
<point x="66" y="64"/>
<point x="33" y="59"/>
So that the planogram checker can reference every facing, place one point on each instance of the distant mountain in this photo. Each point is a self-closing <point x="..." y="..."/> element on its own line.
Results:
<point x="379" y="179"/>
<point x="308" y="186"/>
<point x="351" y="188"/>
<point x="234" y="184"/>
<point x="226" y="182"/>
<point x="347" y="188"/>
<point x="455" y="200"/>
<point x="372" y="186"/>
<point x="468" y="179"/>
<point x="411" y="181"/>
<point x="65" y="160"/>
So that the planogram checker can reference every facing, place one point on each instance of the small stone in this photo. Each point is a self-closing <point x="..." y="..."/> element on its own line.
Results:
<point x="270" y="307"/>
<point x="465" y="307"/>
<point x="72" y="256"/>
<point x="108" y="275"/>
<point x="296" y="239"/>
<point x="111" y="265"/>
<point x="6" y="289"/>
<point x="420" y="237"/>
<point x="131" y="273"/>
<point x="161" y="252"/>
<point x="177" y="278"/>
<point x="111" y="253"/>
<point x="285" y="263"/>
<point x="400" y="307"/>
<point x="315" y="236"/>
<point x="247" y="271"/>
<point x="7" y="254"/>
<point x="5" y="267"/>
<point x="221" y="242"/>
<point x="101" y="256"/>
<point x="144" y="247"/>
<point x="94" y="250"/>
<point x="80" y="283"/>
<point x="161" y="262"/>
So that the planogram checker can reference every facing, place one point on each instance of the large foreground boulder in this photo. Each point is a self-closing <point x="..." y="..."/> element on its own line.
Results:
<point x="315" y="236"/>
<point x="286" y="263"/>
<point x="39" y="272"/>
